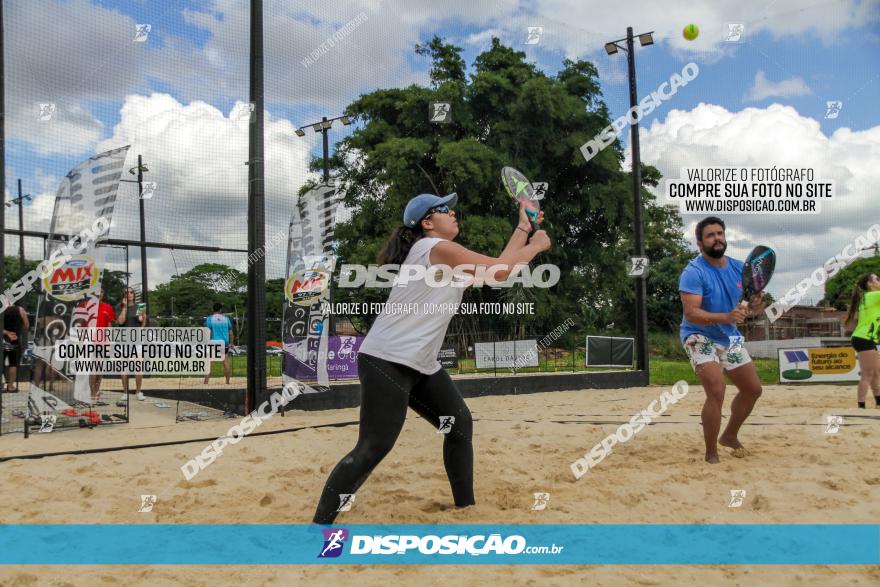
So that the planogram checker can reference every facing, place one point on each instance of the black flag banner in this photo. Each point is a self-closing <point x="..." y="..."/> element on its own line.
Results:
<point x="81" y="217"/>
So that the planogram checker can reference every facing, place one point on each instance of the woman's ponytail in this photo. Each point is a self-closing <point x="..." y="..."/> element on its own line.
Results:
<point x="399" y="243"/>
<point x="859" y="290"/>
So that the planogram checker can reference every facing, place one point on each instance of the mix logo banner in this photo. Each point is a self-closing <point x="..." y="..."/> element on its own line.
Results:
<point x="310" y="264"/>
<point x="804" y="364"/>
<point x="86" y="196"/>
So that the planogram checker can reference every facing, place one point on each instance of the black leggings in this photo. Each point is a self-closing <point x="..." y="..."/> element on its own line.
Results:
<point x="386" y="390"/>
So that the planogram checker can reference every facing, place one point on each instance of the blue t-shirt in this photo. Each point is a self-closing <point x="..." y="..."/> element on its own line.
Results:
<point x="219" y="325"/>
<point x="720" y="288"/>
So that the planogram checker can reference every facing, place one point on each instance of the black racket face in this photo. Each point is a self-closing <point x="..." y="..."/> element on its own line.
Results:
<point x="757" y="270"/>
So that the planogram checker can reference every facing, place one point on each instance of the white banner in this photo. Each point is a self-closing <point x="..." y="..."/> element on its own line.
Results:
<point x="87" y="193"/>
<point x="310" y="264"/>
<point x="507" y="353"/>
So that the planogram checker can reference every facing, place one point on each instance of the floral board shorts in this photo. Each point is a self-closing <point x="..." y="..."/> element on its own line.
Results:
<point x="702" y="349"/>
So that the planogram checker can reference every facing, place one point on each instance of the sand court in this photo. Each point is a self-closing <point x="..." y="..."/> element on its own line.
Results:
<point x="798" y="473"/>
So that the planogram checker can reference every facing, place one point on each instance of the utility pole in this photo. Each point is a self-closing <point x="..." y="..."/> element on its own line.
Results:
<point x="19" y="201"/>
<point x="139" y="171"/>
<point x="641" y="295"/>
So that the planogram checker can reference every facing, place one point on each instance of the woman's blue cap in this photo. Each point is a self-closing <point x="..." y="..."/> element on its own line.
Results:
<point x="418" y="207"/>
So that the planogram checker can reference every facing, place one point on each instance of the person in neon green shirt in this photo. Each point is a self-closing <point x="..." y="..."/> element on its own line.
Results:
<point x="866" y="301"/>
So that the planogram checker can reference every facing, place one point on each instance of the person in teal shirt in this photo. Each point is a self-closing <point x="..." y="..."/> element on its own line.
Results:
<point x="866" y="303"/>
<point x="221" y="331"/>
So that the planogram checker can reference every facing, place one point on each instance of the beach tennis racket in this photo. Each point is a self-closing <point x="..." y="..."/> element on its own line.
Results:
<point x="757" y="271"/>
<point x="520" y="189"/>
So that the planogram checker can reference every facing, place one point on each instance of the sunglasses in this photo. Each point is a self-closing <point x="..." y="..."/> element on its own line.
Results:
<point x="444" y="209"/>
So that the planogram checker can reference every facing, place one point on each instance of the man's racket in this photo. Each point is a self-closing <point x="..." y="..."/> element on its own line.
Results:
<point x="757" y="271"/>
<point x="521" y="190"/>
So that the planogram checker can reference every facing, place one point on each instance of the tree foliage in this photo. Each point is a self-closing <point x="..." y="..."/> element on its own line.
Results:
<point x="507" y="112"/>
<point x="838" y="289"/>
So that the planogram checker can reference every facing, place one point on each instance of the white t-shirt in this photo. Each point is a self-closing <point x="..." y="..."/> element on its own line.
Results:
<point x="414" y="339"/>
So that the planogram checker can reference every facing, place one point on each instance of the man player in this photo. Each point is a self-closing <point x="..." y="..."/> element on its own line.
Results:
<point x="710" y="288"/>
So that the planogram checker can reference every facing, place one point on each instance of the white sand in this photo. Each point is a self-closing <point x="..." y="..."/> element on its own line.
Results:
<point x="523" y="444"/>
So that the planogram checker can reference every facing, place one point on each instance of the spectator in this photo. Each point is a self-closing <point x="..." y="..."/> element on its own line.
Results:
<point x="221" y="331"/>
<point x="130" y="317"/>
<point x="15" y="325"/>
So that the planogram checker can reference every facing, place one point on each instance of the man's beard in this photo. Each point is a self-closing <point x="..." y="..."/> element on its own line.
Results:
<point x="714" y="252"/>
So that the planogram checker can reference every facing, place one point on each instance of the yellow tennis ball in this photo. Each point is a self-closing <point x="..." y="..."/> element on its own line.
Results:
<point x="690" y="32"/>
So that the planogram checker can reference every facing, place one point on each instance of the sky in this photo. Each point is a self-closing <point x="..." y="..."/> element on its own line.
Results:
<point x="176" y="98"/>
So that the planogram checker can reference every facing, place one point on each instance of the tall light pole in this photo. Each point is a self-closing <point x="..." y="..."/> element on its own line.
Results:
<point x="139" y="171"/>
<point x="323" y="127"/>
<point x="611" y="48"/>
<point x="19" y="201"/>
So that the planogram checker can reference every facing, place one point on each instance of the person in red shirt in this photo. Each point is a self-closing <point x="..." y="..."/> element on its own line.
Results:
<point x="103" y="317"/>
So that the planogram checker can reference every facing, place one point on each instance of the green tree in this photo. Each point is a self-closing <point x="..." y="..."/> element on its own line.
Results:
<point x="507" y="113"/>
<point x="838" y="289"/>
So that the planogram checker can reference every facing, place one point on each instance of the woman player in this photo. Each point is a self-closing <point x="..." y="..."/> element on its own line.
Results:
<point x="397" y="362"/>
<point x="866" y="301"/>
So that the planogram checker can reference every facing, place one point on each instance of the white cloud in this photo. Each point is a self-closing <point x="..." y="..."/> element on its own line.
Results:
<point x="711" y="136"/>
<point x="196" y="154"/>
<point x="70" y="54"/>
<point x="764" y="88"/>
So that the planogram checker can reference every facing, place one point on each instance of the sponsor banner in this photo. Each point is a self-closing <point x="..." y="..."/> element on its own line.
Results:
<point x="310" y="264"/>
<point x="493" y="544"/>
<point x="78" y="277"/>
<point x="68" y="299"/>
<point x="302" y="355"/>
<point x="818" y="365"/>
<point x="448" y="358"/>
<point x="507" y="353"/>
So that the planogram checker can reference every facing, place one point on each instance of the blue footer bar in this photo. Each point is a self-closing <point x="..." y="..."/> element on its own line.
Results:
<point x="194" y="544"/>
